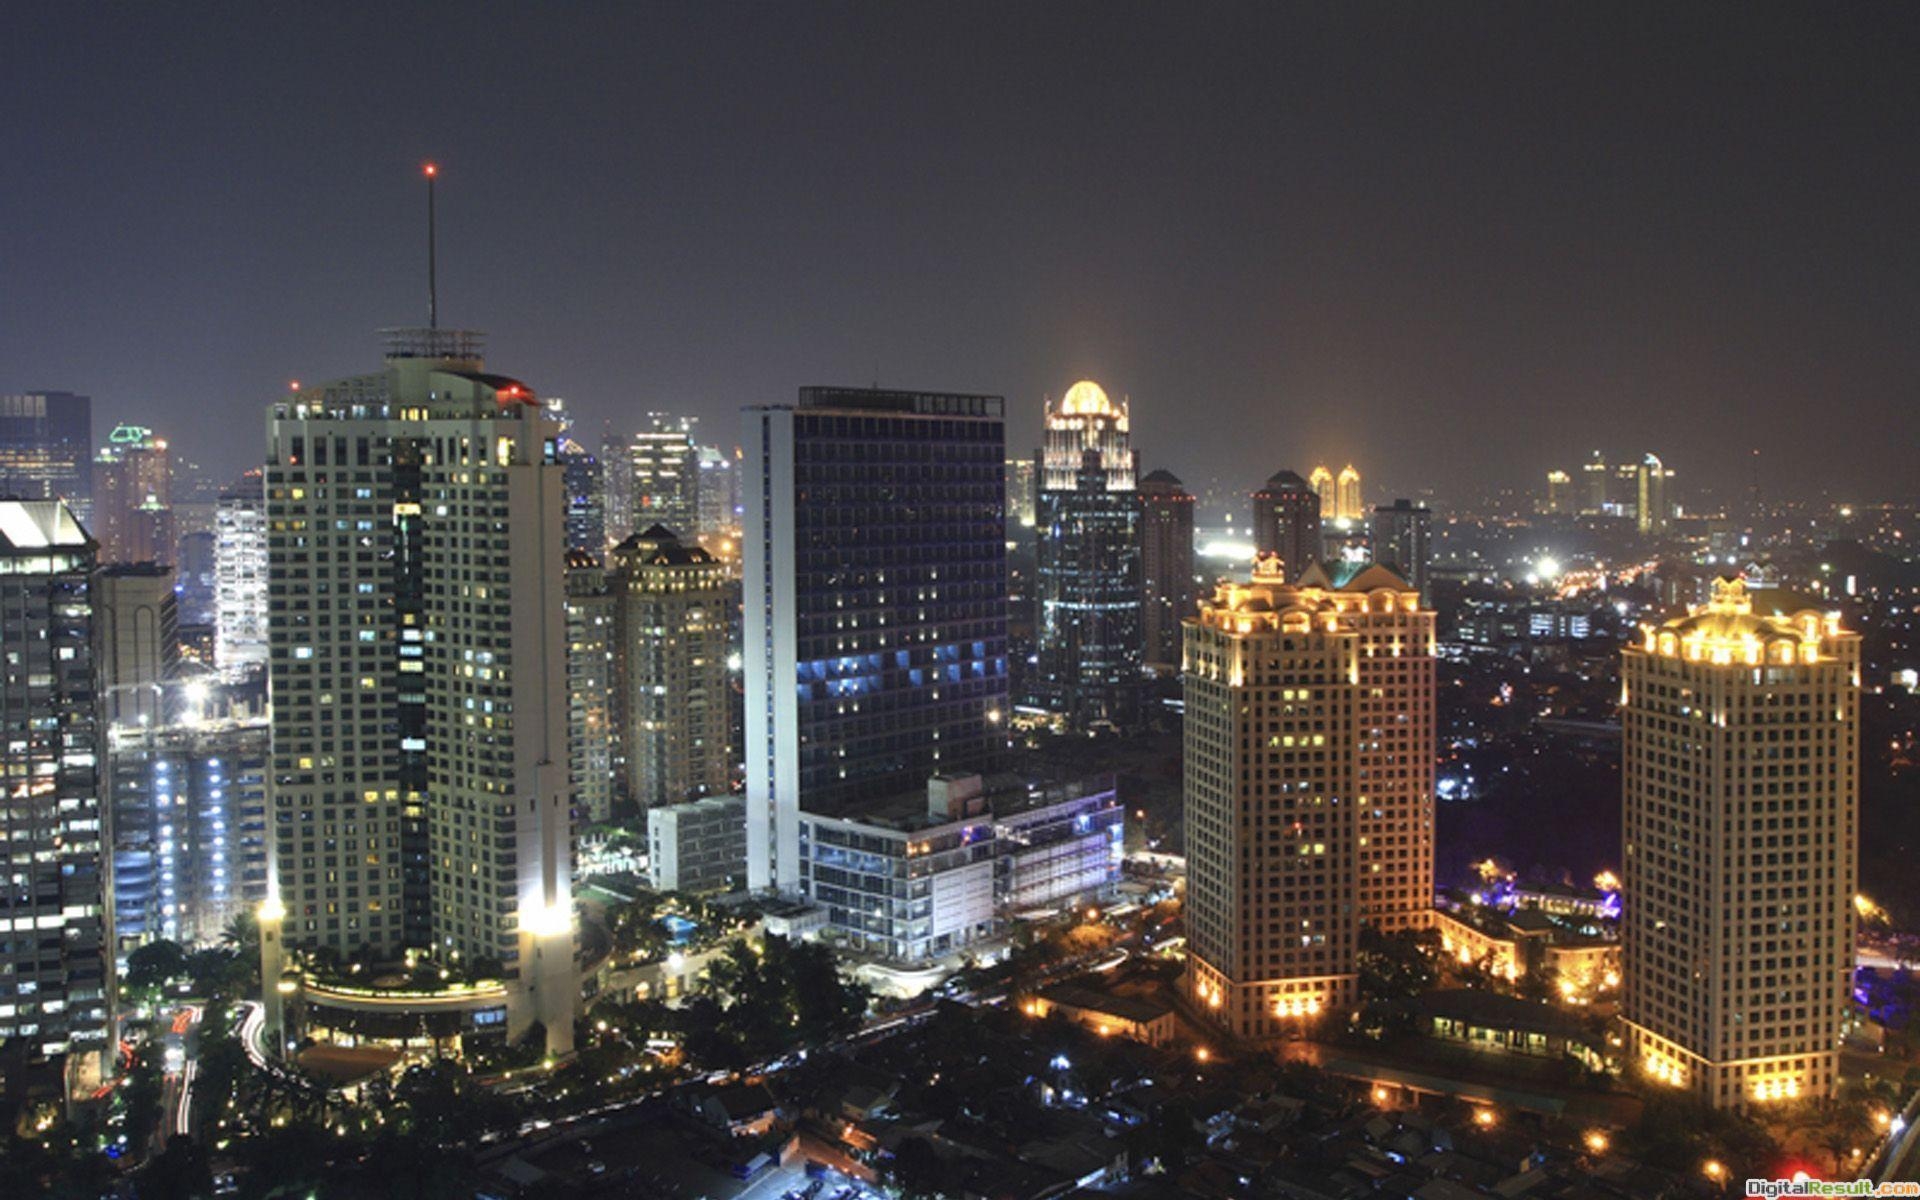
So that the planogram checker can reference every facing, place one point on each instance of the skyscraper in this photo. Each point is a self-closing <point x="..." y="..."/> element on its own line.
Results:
<point x="1653" y="510"/>
<point x="671" y="604"/>
<point x="1351" y="507"/>
<point x="616" y="487"/>
<point x="1022" y="493"/>
<point x="189" y="802"/>
<point x="1321" y="481"/>
<point x="1088" y="627"/>
<point x="1309" y="771"/>
<point x="666" y="476"/>
<point x="876" y="597"/>
<point x="1402" y="534"/>
<point x="1168" y="589"/>
<point x="54" y="983"/>
<point x="419" y="674"/>
<point x="46" y="448"/>
<point x="591" y="735"/>
<point x="133" y="498"/>
<point x="1559" y="493"/>
<point x="138" y="622"/>
<point x="1286" y="521"/>
<point x="719" y="493"/>
<point x="586" y="519"/>
<point x="240" y="575"/>
<point x="1741" y="733"/>
<point x="1595" y="478"/>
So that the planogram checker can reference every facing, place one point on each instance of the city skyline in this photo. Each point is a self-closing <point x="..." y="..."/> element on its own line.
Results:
<point x="1069" y="599"/>
<point x="662" y="269"/>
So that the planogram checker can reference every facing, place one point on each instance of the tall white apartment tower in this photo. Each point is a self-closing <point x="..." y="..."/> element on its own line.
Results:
<point x="418" y="673"/>
<point x="240" y="576"/>
<point x="1309" y="800"/>
<point x="1741" y="731"/>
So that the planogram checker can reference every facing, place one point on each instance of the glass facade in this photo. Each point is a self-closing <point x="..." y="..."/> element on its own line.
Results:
<point x="876" y="584"/>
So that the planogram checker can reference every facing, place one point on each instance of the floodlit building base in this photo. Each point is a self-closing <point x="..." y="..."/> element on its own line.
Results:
<point x="1263" y="1009"/>
<point x="1739" y="1085"/>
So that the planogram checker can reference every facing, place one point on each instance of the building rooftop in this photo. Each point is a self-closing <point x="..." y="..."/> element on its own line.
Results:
<point x="1138" y="1009"/>
<point x="933" y="404"/>
<point x="659" y="546"/>
<point x="27" y="525"/>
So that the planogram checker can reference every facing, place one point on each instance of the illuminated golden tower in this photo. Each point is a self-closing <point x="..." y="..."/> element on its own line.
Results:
<point x="1309" y="788"/>
<point x="1741" y="734"/>
<point x="1321" y="481"/>
<point x="1349" y="495"/>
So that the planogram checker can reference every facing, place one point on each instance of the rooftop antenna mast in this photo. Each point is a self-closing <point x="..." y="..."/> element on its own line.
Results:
<point x="433" y="287"/>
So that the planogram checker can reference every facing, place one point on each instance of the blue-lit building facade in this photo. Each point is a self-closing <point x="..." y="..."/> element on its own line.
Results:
<point x="875" y="620"/>
<point x="189" y="829"/>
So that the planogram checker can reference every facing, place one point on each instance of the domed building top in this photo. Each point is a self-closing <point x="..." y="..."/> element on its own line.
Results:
<point x="1088" y="399"/>
<point x="1161" y="477"/>
<point x="1286" y="480"/>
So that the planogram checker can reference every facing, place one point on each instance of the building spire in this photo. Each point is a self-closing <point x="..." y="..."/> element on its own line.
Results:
<point x="433" y="290"/>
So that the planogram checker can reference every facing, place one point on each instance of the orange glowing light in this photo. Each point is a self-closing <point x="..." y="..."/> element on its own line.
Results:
<point x="431" y="170"/>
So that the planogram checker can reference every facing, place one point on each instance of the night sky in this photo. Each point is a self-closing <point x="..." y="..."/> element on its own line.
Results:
<point x="1455" y="244"/>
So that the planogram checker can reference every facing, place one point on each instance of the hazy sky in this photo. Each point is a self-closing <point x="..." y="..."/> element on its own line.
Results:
<point x="1449" y="242"/>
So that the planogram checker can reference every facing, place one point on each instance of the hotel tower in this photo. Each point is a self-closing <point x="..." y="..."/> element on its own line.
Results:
<point x="1309" y="788"/>
<point x="417" y="659"/>
<point x="1741" y="732"/>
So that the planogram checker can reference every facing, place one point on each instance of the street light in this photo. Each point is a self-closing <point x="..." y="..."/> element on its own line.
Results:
<point x="1597" y="1142"/>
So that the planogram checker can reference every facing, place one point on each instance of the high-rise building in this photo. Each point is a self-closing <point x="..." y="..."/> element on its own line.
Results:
<point x="240" y="576"/>
<point x="189" y="801"/>
<point x="591" y="733"/>
<point x="1286" y="521"/>
<point x="719" y="493"/>
<point x="1087" y="582"/>
<point x="1023" y="490"/>
<point x="1167" y="582"/>
<point x="46" y="448"/>
<point x="672" y="601"/>
<point x="1321" y="481"/>
<point x="1309" y="788"/>
<point x="418" y="666"/>
<point x="55" y="981"/>
<point x="133" y="498"/>
<point x="666" y="476"/>
<point x="1595" y="478"/>
<point x="1653" y="511"/>
<point x="616" y="487"/>
<point x="1741" y="734"/>
<point x="1402" y="534"/>
<point x="1559" y="493"/>
<point x="581" y="480"/>
<point x="196" y="583"/>
<point x="137" y="618"/>
<point x="1347" y="489"/>
<point x="875" y="603"/>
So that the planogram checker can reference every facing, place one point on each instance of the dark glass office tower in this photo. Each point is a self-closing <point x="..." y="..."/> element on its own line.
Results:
<point x="1402" y="532"/>
<point x="1286" y="521"/>
<point x="1088" y="583"/>
<point x="586" y="514"/>
<point x="1168" y="591"/>
<point x="46" y="448"/>
<point x="876" y="594"/>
